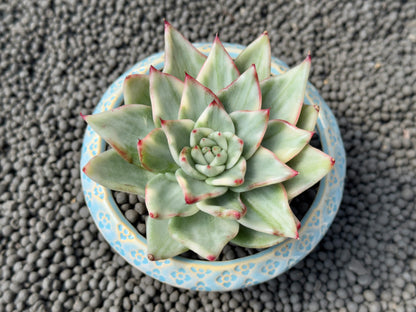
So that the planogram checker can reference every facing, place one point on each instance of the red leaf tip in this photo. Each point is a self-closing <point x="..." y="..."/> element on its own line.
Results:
<point x="308" y="57"/>
<point x="298" y="226"/>
<point x="167" y="24"/>
<point x="162" y="121"/>
<point x="84" y="169"/>
<point x="190" y="200"/>
<point x="332" y="161"/>
<point x="151" y="257"/>
<point x="211" y="258"/>
<point x="83" y="116"/>
<point x="214" y="103"/>
<point x="238" y="181"/>
<point x="153" y="215"/>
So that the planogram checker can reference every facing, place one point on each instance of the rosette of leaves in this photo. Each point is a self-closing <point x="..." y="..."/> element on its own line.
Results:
<point x="217" y="146"/>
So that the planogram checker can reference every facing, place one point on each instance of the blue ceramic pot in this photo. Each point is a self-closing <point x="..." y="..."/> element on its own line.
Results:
<point x="217" y="275"/>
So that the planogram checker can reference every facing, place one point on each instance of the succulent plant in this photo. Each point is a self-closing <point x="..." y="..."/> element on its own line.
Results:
<point x="217" y="146"/>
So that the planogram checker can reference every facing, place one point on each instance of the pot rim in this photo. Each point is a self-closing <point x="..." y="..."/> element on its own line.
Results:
<point x="217" y="275"/>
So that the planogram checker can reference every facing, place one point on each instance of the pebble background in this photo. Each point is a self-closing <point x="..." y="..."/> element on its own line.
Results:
<point x="58" y="57"/>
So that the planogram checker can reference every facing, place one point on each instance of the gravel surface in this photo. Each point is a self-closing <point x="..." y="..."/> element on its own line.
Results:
<point x="58" y="57"/>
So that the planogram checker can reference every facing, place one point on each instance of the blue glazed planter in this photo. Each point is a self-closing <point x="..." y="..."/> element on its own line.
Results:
<point x="217" y="275"/>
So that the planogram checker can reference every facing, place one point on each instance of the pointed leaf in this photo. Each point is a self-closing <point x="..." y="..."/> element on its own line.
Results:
<point x="284" y="93"/>
<point x="227" y="206"/>
<point x="230" y="177"/>
<point x="243" y="94"/>
<point x="268" y="211"/>
<point x="264" y="168"/>
<point x="196" y="190"/>
<point x="312" y="165"/>
<point x="154" y="152"/>
<point x="258" y="53"/>
<point x="164" y="198"/>
<point x="177" y="132"/>
<point x="195" y="99"/>
<point x="136" y="90"/>
<point x="198" y="133"/>
<point x="216" y="118"/>
<point x="204" y="234"/>
<point x="188" y="165"/>
<point x="308" y="117"/>
<point x="219" y="69"/>
<point x="160" y="245"/>
<point x="123" y="127"/>
<point x="234" y="151"/>
<point x="112" y="171"/>
<point x="165" y="95"/>
<point x="250" y="126"/>
<point x="249" y="238"/>
<point x="180" y="55"/>
<point x="284" y="139"/>
<point x="210" y="171"/>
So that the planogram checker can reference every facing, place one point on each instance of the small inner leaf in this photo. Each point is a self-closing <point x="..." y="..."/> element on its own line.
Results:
<point x="216" y="118"/>
<point x="195" y="190"/>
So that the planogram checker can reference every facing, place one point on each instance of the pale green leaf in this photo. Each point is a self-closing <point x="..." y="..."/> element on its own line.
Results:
<point x="308" y="117"/>
<point x="195" y="99"/>
<point x="284" y="139"/>
<point x="180" y="55"/>
<point x="258" y="53"/>
<point x="165" y="94"/>
<point x="219" y="69"/>
<point x="164" y="198"/>
<point x="312" y="165"/>
<point x="268" y="211"/>
<point x="284" y="94"/>
<point x="177" y="132"/>
<point x="250" y="126"/>
<point x="154" y="152"/>
<point x="249" y="238"/>
<point x="204" y="234"/>
<point x="264" y="168"/>
<point x="136" y="90"/>
<point x="188" y="165"/>
<point x="227" y="206"/>
<point x="216" y="118"/>
<point x="196" y="190"/>
<point x="230" y="177"/>
<point x="112" y="171"/>
<point x="122" y="127"/>
<point x="160" y="245"/>
<point x="234" y="150"/>
<point x="243" y="94"/>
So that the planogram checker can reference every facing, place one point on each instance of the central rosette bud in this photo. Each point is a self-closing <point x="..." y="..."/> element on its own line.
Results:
<point x="209" y="151"/>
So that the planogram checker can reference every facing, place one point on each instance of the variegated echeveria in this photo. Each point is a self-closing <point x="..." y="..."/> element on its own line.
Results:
<point x="216" y="146"/>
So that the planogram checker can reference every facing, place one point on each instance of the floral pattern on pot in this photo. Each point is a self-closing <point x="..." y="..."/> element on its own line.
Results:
<point x="226" y="275"/>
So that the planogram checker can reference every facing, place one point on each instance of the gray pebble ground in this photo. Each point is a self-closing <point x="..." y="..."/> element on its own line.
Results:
<point x="58" y="57"/>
